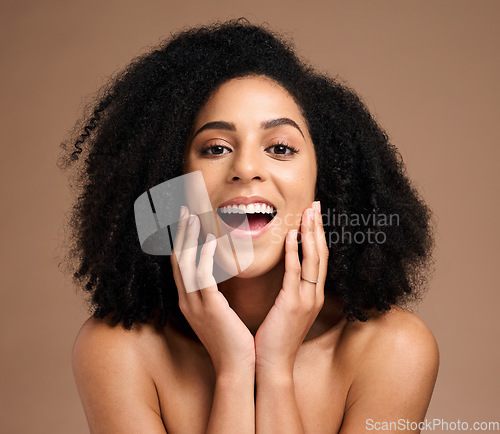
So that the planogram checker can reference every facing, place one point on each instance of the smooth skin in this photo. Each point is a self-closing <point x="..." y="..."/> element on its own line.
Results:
<point x="275" y="356"/>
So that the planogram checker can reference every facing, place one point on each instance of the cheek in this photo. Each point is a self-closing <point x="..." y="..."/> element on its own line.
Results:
<point x="298" y="193"/>
<point x="300" y="185"/>
<point x="214" y="181"/>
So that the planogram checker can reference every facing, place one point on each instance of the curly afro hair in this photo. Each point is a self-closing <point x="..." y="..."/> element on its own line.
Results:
<point x="133" y="138"/>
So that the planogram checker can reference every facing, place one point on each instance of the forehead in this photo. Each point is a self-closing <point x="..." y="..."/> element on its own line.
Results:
<point x="254" y="97"/>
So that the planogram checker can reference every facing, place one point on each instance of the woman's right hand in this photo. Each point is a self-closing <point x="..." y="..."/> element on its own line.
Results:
<point x="225" y="337"/>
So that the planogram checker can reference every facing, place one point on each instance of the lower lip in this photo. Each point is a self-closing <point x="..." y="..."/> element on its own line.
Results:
<point x="239" y="233"/>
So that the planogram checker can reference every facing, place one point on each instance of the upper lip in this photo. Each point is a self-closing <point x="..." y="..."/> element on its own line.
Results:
<point x="246" y="200"/>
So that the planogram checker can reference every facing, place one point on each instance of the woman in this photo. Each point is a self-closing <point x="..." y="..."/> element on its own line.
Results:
<point x="310" y="337"/>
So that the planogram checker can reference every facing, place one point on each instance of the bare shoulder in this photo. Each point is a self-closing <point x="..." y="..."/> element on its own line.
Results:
<point x="398" y="330"/>
<point x="100" y="344"/>
<point x="113" y="379"/>
<point x="405" y="334"/>
<point x="396" y="360"/>
<point x="96" y="333"/>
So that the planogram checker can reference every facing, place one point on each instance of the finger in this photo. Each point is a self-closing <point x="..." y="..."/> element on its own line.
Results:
<point x="291" y="279"/>
<point x="187" y="262"/>
<point x="204" y="272"/>
<point x="321" y="243"/>
<point x="176" y="252"/>
<point x="310" y="261"/>
<point x="322" y="250"/>
<point x="180" y="233"/>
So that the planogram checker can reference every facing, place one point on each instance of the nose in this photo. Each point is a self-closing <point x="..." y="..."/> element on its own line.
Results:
<point x="247" y="165"/>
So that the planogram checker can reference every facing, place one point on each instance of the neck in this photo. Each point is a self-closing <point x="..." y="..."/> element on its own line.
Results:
<point x="252" y="298"/>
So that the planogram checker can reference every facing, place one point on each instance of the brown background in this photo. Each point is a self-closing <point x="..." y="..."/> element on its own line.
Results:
<point x="429" y="71"/>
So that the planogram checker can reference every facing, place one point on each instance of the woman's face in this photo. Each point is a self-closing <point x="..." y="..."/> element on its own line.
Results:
<point x="252" y="145"/>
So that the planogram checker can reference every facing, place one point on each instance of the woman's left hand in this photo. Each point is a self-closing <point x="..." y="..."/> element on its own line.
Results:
<point x="297" y="305"/>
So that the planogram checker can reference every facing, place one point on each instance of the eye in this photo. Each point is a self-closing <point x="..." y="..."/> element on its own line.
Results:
<point x="282" y="150"/>
<point x="215" y="150"/>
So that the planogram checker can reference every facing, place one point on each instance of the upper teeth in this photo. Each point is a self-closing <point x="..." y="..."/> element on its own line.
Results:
<point x="251" y="208"/>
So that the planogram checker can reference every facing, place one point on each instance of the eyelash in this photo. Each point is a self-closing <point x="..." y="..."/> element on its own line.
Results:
<point x="205" y="150"/>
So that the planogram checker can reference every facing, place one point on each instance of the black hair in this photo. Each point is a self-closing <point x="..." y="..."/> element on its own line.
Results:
<point x="133" y="139"/>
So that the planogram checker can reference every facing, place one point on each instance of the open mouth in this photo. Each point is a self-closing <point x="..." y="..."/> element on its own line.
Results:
<point x="257" y="214"/>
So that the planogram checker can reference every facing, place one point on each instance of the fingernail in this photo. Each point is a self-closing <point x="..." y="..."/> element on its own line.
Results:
<point x="210" y="237"/>
<point x="191" y="219"/>
<point x="311" y="214"/>
<point x="294" y="234"/>
<point x="317" y="205"/>
<point x="184" y="212"/>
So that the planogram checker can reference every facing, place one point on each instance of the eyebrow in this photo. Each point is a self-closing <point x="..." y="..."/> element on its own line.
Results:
<point x="266" y="125"/>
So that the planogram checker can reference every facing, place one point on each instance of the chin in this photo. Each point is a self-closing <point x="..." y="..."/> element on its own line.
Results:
<point x="262" y="265"/>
